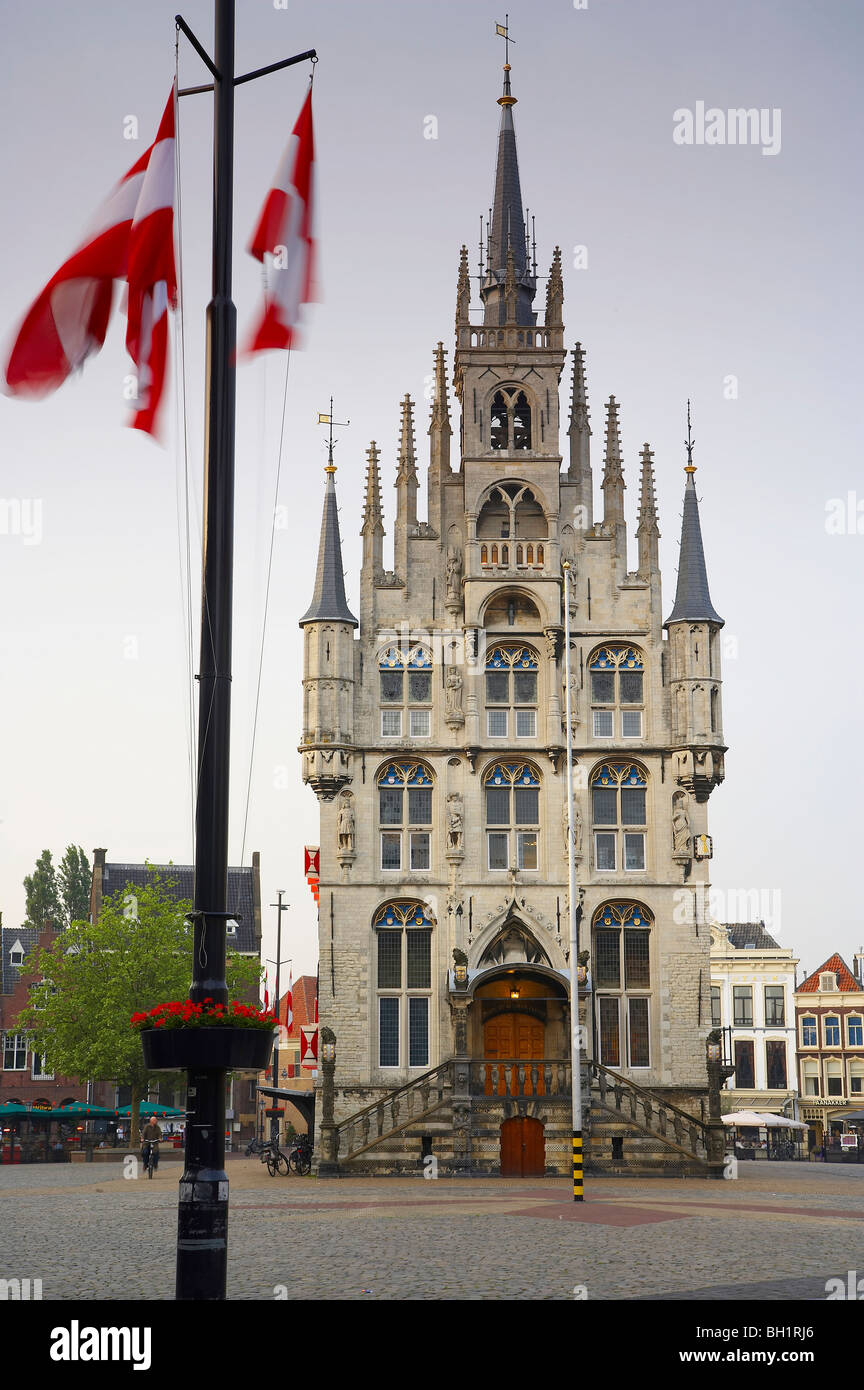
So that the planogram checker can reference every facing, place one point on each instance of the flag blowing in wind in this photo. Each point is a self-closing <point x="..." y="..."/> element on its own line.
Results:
<point x="131" y="236"/>
<point x="284" y="235"/>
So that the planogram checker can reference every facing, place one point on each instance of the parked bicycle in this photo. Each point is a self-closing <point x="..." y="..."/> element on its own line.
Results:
<point x="300" y="1157"/>
<point x="270" y="1153"/>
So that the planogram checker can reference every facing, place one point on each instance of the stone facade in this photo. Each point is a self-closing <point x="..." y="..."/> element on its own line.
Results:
<point x="434" y="730"/>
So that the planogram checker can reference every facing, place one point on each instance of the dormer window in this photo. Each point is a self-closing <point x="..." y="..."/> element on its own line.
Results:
<point x="16" y="955"/>
<point x="827" y="981"/>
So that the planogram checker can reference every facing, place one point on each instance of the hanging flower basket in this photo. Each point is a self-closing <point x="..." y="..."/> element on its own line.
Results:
<point x="181" y="1034"/>
<point x="166" y="1049"/>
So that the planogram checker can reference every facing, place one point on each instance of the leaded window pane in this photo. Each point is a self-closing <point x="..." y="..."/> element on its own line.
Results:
<point x="391" y="851"/>
<point x="603" y="687"/>
<point x="420" y="805"/>
<point x="610" y="1040"/>
<point x="526" y="723"/>
<point x="391" y="687"/>
<point x="391" y="723"/>
<point x="418" y="1032"/>
<point x="496" y="723"/>
<point x="527" y="805"/>
<point x="607" y="964"/>
<point x="497" y="805"/>
<point x="633" y="806"/>
<point x="605" y="800"/>
<point x="638" y="1032"/>
<point x="630" y="687"/>
<point x="603" y="723"/>
<point x="389" y="959"/>
<point x="390" y="805"/>
<point x="419" y="723"/>
<point x="631" y="723"/>
<point x="637" y="969"/>
<point x="604" y="851"/>
<point x="525" y="687"/>
<point x="497" y="851"/>
<point x="526" y="850"/>
<point x="420" y="850"/>
<point x="634" y="852"/>
<point x="420" y="685"/>
<point x="419" y="959"/>
<point x="388" y="1032"/>
<point x="497" y="687"/>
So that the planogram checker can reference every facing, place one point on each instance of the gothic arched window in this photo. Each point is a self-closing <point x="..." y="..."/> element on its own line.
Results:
<point x="512" y="809"/>
<point x="511" y="692"/>
<point x="510" y="420"/>
<point x="396" y="663"/>
<point x="405" y="815"/>
<point x="621" y="977"/>
<point x="619" y="817"/>
<point x="403" y="936"/>
<point x="617" y="691"/>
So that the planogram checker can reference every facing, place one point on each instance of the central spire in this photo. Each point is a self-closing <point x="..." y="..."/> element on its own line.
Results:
<point x="507" y="227"/>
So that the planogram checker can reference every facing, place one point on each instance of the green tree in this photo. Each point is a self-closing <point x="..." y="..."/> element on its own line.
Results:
<point x="96" y="975"/>
<point x="73" y="879"/>
<point x="43" y="897"/>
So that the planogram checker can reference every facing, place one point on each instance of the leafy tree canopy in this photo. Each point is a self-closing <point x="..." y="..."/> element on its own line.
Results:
<point x="96" y="975"/>
<point x="73" y="878"/>
<point x="43" y="896"/>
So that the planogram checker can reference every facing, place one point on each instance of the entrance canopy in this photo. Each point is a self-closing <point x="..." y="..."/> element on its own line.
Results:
<point x="304" y="1101"/>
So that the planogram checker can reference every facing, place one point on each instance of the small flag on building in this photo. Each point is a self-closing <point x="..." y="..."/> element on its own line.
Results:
<point x="309" y="1046"/>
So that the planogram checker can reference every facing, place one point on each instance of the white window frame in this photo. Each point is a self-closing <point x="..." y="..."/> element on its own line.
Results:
<point x="39" y="1075"/>
<point x="613" y="836"/>
<point x="395" y="834"/>
<point x="815" y="1030"/>
<point x="532" y="714"/>
<point x="520" y="851"/>
<point x="19" y="1044"/>
<point x="421" y="716"/>
<point x="391" y="711"/>
<point x="598" y="714"/>
<point x="501" y="713"/>
<point x="850" y="1019"/>
<point x="639" y="868"/>
<point x="638" y="713"/>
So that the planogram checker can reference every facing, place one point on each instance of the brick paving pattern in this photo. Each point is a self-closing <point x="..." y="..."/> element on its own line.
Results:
<point x="776" y="1234"/>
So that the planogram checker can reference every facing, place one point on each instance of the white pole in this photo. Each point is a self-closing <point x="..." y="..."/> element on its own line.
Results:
<point x="578" y="1173"/>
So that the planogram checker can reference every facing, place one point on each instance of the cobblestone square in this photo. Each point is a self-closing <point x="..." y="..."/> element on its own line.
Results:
<point x="777" y="1233"/>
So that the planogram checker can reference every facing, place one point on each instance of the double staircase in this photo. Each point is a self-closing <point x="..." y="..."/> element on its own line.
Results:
<point x="450" y="1118"/>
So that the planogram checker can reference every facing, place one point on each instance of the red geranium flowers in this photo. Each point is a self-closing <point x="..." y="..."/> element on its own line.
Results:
<point x="182" y="1013"/>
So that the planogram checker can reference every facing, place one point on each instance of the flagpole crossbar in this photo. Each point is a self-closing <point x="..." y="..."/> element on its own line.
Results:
<point x="309" y="55"/>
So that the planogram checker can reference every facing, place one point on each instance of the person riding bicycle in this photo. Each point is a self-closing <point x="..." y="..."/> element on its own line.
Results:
<point x="150" y="1136"/>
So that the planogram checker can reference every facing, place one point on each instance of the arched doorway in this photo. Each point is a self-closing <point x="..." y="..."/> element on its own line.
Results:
<point x="523" y="1148"/>
<point x="508" y="1039"/>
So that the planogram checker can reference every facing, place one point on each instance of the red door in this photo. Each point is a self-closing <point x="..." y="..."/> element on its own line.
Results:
<point x="523" y="1148"/>
<point x="514" y="1037"/>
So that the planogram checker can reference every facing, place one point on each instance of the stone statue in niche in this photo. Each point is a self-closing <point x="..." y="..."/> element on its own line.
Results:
<point x="346" y="826"/>
<point x="681" y="829"/>
<point x="454" y="822"/>
<point x="574" y="697"/>
<point x="577" y="829"/>
<point x="453" y="695"/>
<point x="454" y="575"/>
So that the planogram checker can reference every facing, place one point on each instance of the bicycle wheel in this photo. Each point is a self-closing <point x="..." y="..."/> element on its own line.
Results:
<point x="300" y="1163"/>
<point x="282" y="1164"/>
<point x="150" y="1166"/>
<point x="272" y="1165"/>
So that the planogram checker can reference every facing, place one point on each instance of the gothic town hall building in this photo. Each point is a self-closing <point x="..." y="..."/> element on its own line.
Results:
<point x="434" y="738"/>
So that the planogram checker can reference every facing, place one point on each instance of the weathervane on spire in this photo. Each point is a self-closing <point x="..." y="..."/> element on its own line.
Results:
<point x="691" y="467"/>
<point x="328" y="420"/>
<point x="503" y="31"/>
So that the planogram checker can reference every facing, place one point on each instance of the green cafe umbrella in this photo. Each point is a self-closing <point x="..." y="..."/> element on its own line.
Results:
<point x="13" y="1107"/>
<point x="149" y="1109"/>
<point x="80" y="1110"/>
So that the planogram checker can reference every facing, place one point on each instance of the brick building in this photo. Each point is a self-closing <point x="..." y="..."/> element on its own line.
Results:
<point x="829" y="1016"/>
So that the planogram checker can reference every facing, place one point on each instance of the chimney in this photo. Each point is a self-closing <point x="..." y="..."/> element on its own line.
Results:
<point x="858" y="965"/>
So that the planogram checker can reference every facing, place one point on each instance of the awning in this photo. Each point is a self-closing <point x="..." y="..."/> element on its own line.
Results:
<point x="304" y="1101"/>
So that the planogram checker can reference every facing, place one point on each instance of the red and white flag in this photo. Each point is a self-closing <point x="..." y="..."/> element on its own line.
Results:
<point x="288" y="1005"/>
<point x="68" y="321"/>
<point x="284" y="236"/>
<point x="266" y="991"/>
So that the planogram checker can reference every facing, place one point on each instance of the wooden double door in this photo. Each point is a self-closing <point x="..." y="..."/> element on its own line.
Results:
<point x="514" y="1038"/>
<point x="523" y="1148"/>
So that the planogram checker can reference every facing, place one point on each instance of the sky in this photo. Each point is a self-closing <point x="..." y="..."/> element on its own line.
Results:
<point x="726" y="273"/>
